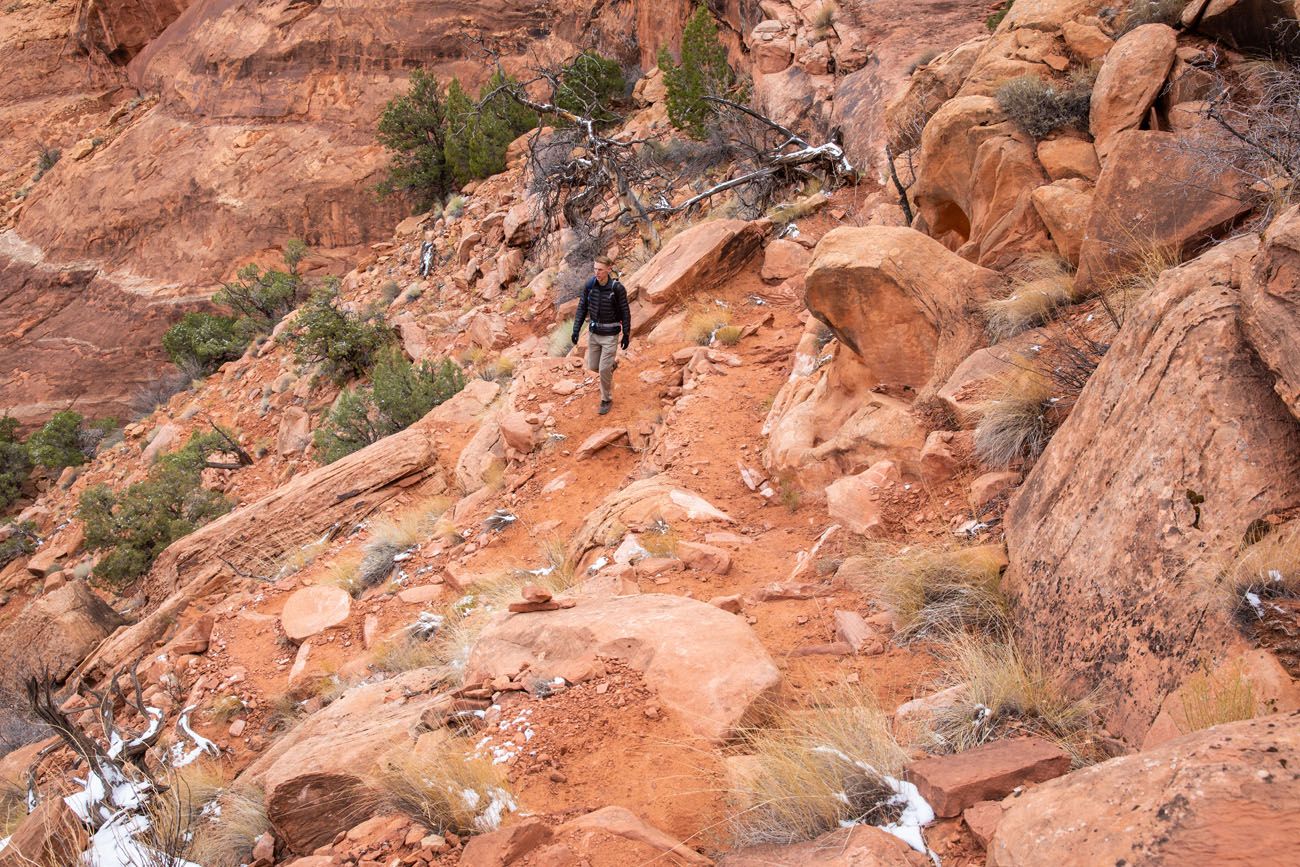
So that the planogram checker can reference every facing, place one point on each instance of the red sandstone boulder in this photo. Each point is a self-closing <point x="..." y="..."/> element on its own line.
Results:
<point x="1224" y="797"/>
<point x="858" y="846"/>
<point x="1270" y="306"/>
<point x="1068" y="157"/>
<point x="55" y="632"/>
<point x="639" y="505"/>
<point x="1065" y="207"/>
<point x="704" y="558"/>
<point x="857" y="501"/>
<point x="784" y="259"/>
<point x="1132" y="212"/>
<point x="1129" y="82"/>
<point x="51" y="836"/>
<point x="314" y="609"/>
<point x="896" y="298"/>
<point x="708" y="666"/>
<point x="295" y="432"/>
<point x="989" y="772"/>
<point x="1109" y="602"/>
<point x="700" y="258"/>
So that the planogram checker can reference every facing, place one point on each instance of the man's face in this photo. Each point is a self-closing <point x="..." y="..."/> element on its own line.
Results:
<point x="602" y="271"/>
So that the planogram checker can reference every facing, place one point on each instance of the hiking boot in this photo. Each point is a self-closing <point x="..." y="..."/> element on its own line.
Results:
<point x="604" y="407"/>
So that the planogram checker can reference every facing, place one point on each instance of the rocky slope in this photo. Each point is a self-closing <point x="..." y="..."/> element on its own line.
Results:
<point x="619" y="603"/>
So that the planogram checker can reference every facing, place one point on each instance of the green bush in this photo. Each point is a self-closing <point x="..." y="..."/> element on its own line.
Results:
<point x="995" y="19"/>
<point x="202" y="342"/>
<point x="1040" y="107"/>
<point x="21" y="542"/>
<point x="345" y="344"/>
<point x="15" y="462"/>
<point x="414" y="128"/>
<point x="590" y="85"/>
<point x="479" y="134"/>
<point x="703" y="71"/>
<point x="58" y="443"/>
<point x="400" y="394"/>
<point x="265" y="297"/>
<point x="138" y="524"/>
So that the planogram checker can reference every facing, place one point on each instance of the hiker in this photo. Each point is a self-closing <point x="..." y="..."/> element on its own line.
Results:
<point x="604" y="306"/>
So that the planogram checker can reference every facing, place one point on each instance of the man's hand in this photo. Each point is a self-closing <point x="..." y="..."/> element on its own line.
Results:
<point x="574" y="338"/>
<point x="627" y="338"/>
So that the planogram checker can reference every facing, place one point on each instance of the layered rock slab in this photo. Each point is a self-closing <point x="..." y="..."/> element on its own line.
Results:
<point x="1174" y="448"/>
<point x="1228" y="796"/>
<point x="707" y="666"/>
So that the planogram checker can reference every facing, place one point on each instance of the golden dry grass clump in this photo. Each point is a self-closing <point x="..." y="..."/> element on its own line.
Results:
<point x="812" y="769"/>
<point x="937" y="592"/>
<point x="447" y="788"/>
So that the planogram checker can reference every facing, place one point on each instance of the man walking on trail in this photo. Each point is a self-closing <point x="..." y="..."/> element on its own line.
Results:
<point x="603" y="306"/>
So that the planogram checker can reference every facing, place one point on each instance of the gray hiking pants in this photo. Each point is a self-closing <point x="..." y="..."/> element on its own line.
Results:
<point x="602" y="356"/>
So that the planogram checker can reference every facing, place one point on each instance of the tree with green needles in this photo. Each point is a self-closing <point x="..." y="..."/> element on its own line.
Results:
<point x="703" y="71"/>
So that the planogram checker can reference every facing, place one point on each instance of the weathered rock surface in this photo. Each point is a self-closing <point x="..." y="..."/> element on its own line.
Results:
<point x="1131" y="217"/>
<point x="610" y="835"/>
<point x="1228" y="795"/>
<point x="319" y="778"/>
<point x="708" y="666"/>
<point x="896" y="298"/>
<point x="639" y="505"/>
<point x="696" y="260"/>
<point x="858" y="846"/>
<point x="986" y="773"/>
<point x="55" y="632"/>
<point x="1270" y="306"/>
<point x="51" y="836"/>
<point x="1129" y="81"/>
<point x="1111" y="602"/>
<point x="314" y="609"/>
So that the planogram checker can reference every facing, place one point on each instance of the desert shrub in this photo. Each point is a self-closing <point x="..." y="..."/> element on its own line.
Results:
<point x="823" y="17"/>
<point x="660" y="539"/>
<point x="818" y="769"/>
<point x="703" y="71"/>
<point x="265" y="297"/>
<point x="66" y="440"/>
<point x="1008" y="693"/>
<point x="478" y="134"/>
<point x="15" y="462"/>
<point x="391" y="536"/>
<point x="413" y="127"/>
<point x="995" y="19"/>
<point x="226" y="836"/>
<point x="1214" y="698"/>
<point x="937" y="593"/>
<point x="399" y="395"/>
<point x="1139" y="266"/>
<point x="20" y="542"/>
<point x="202" y="342"/>
<point x="1142" y="12"/>
<point x="1036" y="296"/>
<point x="701" y="327"/>
<point x="1040" y="107"/>
<point x="448" y="789"/>
<point x="345" y="344"/>
<point x="46" y="158"/>
<point x="136" y="525"/>
<point x="728" y="335"/>
<point x="590" y="85"/>
<point x="1017" y="425"/>
<point x="1266" y="570"/>
<point x="344" y="572"/>
<point x="406" y="653"/>
<point x="559" y="342"/>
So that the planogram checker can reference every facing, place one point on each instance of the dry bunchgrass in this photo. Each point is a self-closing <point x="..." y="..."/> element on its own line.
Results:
<point x="447" y="788"/>
<point x="13" y="808"/>
<point x="1036" y="296"/>
<point x="1142" y="12"/>
<point x="1140" y="264"/>
<point x="701" y="326"/>
<point x="1213" y="698"/>
<point x="391" y="536"/>
<point x="728" y="335"/>
<point x="226" y="839"/>
<point x="1266" y="569"/>
<point x="788" y="212"/>
<point x="1008" y="693"/>
<point x="560" y="341"/>
<point x="345" y="572"/>
<point x="405" y="653"/>
<point x="823" y="17"/>
<point x="180" y="807"/>
<point x="812" y="770"/>
<point x="225" y="708"/>
<point x="659" y="540"/>
<point x="936" y="593"/>
<point x="1017" y="425"/>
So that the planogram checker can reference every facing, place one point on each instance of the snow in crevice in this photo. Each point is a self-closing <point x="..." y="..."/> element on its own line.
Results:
<point x="915" y="812"/>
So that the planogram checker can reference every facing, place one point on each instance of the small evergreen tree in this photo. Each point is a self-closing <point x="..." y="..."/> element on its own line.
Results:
<point x="264" y="297"/>
<point x="202" y="342"/>
<point x="58" y="442"/>
<point x="400" y="395"/>
<point x="703" y="71"/>
<point x="590" y="85"/>
<point x="137" y="525"/>
<point x="414" y="128"/>
<point x="478" y="135"/>
<point x="345" y="344"/>
<point x="15" y="462"/>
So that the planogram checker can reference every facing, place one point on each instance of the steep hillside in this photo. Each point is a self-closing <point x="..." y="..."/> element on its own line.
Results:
<point x="945" y="512"/>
